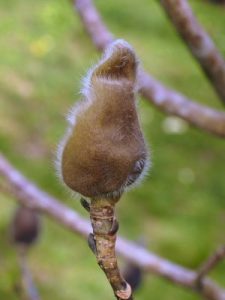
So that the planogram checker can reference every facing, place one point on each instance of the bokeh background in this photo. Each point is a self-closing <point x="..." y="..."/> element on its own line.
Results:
<point x="180" y="207"/>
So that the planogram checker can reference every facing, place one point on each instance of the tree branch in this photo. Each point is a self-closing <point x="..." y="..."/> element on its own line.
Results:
<point x="30" y="195"/>
<point x="172" y="102"/>
<point x="28" y="287"/>
<point x="210" y="263"/>
<point x="94" y="25"/>
<point x="102" y="242"/>
<point x="168" y="100"/>
<point x="198" y="42"/>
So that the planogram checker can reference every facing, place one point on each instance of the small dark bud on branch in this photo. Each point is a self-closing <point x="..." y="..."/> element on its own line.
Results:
<point x="25" y="226"/>
<point x="133" y="275"/>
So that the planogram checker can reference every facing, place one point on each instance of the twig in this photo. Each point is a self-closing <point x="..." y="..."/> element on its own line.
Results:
<point x="168" y="100"/>
<point x="99" y="33"/>
<point x="103" y="241"/>
<point x="28" y="286"/>
<point x="174" y="103"/>
<point x="210" y="264"/>
<point x="199" y="42"/>
<point x="31" y="196"/>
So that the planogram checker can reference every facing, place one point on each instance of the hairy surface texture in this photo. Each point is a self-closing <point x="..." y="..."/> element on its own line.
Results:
<point x="104" y="149"/>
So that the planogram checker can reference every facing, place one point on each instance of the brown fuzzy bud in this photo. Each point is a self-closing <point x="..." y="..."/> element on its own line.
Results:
<point x="104" y="150"/>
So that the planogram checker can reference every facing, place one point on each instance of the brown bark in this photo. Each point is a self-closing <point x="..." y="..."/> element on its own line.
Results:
<point x="198" y="42"/>
<point x="102" y="214"/>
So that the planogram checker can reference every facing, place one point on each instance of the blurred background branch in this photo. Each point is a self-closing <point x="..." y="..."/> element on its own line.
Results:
<point x="199" y="42"/>
<point x="210" y="263"/>
<point x="168" y="100"/>
<point x="24" y="231"/>
<point x="28" y="194"/>
<point x="179" y="209"/>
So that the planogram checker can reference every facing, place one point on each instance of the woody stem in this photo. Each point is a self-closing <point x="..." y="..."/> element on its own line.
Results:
<point x="104" y="224"/>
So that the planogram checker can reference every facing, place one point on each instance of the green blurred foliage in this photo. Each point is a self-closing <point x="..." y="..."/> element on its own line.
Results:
<point x="179" y="208"/>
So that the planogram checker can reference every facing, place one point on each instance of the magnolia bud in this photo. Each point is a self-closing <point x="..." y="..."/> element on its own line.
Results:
<point x="104" y="150"/>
